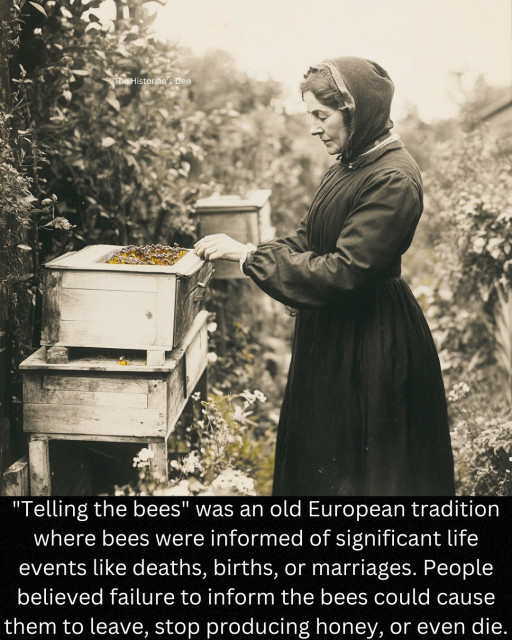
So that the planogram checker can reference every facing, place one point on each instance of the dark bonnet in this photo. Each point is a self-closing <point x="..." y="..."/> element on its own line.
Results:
<point x="363" y="90"/>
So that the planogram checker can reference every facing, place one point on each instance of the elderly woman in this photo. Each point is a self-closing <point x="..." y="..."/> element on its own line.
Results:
<point x="364" y="411"/>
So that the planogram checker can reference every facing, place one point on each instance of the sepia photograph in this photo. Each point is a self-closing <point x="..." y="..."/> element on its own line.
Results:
<point x="256" y="248"/>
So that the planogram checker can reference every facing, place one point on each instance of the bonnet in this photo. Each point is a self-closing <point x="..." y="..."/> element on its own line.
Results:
<point x="365" y="92"/>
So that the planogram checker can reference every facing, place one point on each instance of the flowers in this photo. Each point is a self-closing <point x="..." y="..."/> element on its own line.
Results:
<point x="231" y="481"/>
<point x="458" y="392"/>
<point x="251" y="398"/>
<point x="191" y="463"/>
<point x="479" y="245"/>
<point x="143" y="458"/>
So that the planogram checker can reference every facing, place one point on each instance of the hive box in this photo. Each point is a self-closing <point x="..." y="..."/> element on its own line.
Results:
<point x="244" y="219"/>
<point x="94" y="398"/>
<point x="90" y="303"/>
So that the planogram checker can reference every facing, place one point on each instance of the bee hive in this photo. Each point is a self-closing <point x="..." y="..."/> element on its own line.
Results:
<point x="95" y="398"/>
<point x="106" y="296"/>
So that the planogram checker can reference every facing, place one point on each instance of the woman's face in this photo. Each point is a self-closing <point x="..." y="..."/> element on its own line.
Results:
<point x="327" y="124"/>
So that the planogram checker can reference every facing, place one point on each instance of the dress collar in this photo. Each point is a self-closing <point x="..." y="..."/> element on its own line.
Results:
<point x="376" y="150"/>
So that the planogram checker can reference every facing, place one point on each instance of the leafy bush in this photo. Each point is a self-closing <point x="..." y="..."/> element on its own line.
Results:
<point x="468" y="187"/>
<point x="465" y="286"/>
<point x="117" y="156"/>
<point x="216" y="463"/>
<point x="482" y="445"/>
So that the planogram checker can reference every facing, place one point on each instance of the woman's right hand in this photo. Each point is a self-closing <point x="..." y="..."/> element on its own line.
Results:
<point x="220" y="246"/>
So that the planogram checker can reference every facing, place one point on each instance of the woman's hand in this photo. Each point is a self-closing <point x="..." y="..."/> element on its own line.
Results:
<point x="219" y="246"/>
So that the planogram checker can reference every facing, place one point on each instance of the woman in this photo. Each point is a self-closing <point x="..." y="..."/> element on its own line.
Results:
<point x="364" y="411"/>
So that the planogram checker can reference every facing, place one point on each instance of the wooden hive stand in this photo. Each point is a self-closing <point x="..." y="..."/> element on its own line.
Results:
<point x="94" y="398"/>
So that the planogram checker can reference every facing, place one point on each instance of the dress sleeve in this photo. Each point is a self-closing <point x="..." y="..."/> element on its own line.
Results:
<point x="297" y="242"/>
<point x="377" y="231"/>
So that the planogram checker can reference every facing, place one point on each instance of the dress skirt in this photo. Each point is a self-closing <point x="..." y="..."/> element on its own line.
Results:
<point x="364" y="412"/>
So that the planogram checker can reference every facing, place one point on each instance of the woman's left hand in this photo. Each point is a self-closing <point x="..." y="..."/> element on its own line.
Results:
<point x="219" y="246"/>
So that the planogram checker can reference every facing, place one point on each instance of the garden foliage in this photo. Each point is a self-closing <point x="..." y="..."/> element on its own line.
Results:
<point x="466" y="292"/>
<point x="87" y="159"/>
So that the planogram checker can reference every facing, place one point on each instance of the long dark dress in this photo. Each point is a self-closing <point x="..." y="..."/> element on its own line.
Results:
<point x="364" y="411"/>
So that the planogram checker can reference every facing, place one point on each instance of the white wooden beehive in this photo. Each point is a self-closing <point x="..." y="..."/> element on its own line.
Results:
<point x="90" y="303"/>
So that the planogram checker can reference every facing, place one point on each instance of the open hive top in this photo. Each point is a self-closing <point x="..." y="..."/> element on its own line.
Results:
<point x="151" y="254"/>
<point x="134" y="259"/>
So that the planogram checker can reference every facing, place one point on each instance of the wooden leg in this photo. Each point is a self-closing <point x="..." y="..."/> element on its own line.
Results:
<point x="39" y="467"/>
<point x="159" y="463"/>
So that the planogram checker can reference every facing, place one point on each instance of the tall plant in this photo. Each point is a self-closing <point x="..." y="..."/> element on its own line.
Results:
<point x="468" y="193"/>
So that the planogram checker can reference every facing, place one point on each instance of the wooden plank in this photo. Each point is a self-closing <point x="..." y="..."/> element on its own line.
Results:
<point x="16" y="480"/>
<point x="156" y="394"/>
<point x="39" y="468"/>
<point x="90" y="254"/>
<point x="52" y="287"/>
<point x="128" y="335"/>
<point x="188" y="302"/>
<point x="157" y="402"/>
<point x="49" y="418"/>
<point x="80" y="399"/>
<point x="158" y="463"/>
<point x="97" y="438"/>
<point x="32" y="386"/>
<point x="176" y="399"/>
<point x="110" y="281"/>
<point x="118" y="385"/>
<point x="196" y="358"/>
<point x="176" y="354"/>
<point x="175" y="415"/>
<point x="165" y="310"/>
<point x="92" y="305"/>
<point x="95" y="363"/>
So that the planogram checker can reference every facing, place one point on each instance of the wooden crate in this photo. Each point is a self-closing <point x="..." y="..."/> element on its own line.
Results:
<point x="90" y="303"/>
<point x="244" y="219"/>
<point x="95" y="398"/>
